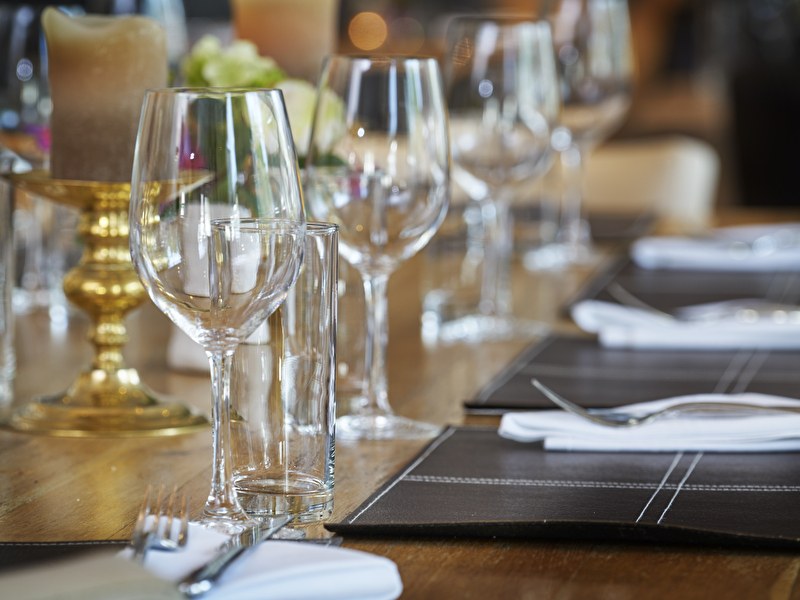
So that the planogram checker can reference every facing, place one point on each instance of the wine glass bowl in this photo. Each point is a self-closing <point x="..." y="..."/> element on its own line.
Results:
<point x="217" y="232"/>
<point x="503" y="101"/>
<point x="501" y="98"/>
<point x="595" y="66"/>
<point x="378" y="167"/>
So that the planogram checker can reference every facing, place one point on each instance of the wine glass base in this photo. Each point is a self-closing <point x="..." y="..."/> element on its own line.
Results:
<point x="489" y="328"/>
<point x="383" y="427"/>
<point x="558" y="256"/>
<point x="105" y="404"/>
<point x="228" y="521"/>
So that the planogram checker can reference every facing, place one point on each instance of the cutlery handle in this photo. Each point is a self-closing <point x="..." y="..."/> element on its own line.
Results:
<point x="201" y="580"/>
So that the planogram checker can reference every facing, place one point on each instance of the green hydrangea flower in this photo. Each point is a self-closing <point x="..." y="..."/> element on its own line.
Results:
<point x="300" y="98"/>
<point x="209" y="64"/>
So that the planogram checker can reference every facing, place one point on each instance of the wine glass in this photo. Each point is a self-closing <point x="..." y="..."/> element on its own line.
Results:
<point x="503" y="101"/>
<point x="217" y="232"/>
<point x="593" y="48"/>
<point x="378" y="166"/>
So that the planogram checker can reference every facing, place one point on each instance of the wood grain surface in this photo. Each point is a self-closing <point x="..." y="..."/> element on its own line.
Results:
<point x="66" y="489"/>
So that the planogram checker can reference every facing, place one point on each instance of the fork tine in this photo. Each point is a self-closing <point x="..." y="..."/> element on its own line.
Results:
<point x="183" y="515"/>
<point x="156" y="526"/>
<point x="168" y="514"/>
<point x="142" y="530"/>
<point x="575" y="409"/>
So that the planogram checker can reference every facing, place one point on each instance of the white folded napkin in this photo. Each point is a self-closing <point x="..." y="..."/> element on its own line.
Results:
<point x="95" y="576"/>
<point x="284" y="570"/>
<point x="757" y="248"/>
<point x="276" y="570"/>
<point x="710" y="432"/>
<point x="619" y="326"/>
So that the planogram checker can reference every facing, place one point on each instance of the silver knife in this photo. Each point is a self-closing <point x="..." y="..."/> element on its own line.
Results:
<point x="200" y="581"/>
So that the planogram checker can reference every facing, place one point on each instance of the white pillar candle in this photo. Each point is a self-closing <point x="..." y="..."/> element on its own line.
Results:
<point x="298" y="34"/>
<point x="99" y="68"/>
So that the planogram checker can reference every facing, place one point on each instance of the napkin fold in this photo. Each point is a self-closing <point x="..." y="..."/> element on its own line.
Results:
<point x="734" y="431"/>
<point x="753" y="248"/>
<point x="284" y="570"/>
<point x="278" y="570"/>
<point x="619" y="326"/>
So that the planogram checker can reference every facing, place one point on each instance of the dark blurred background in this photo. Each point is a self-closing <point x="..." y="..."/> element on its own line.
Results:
<point x="725" y="71"/>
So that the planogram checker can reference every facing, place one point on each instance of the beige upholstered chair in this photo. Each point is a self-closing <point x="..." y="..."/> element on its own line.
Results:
<point x="675" y="177"/>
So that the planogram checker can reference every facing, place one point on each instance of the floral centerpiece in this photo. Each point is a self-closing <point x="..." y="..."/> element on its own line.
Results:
<point x="210" y="64"/>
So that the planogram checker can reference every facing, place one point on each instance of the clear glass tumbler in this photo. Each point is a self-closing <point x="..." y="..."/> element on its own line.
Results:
<point x="283" y="395"/>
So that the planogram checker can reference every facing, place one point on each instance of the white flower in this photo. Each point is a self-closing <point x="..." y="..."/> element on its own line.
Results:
<point x="239" y="65"/>
<point x="300" y="97"/>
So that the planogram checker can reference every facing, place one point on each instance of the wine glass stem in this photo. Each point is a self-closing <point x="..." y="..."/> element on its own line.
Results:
<point x="222" y="501"/>
<point x="376" y="401"/>
<point x="498" y="226"/>
<point x="573" y="229"/>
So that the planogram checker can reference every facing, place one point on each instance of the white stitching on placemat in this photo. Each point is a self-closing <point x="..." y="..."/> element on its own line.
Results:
<point x="661" y="485"/>
<point x="723" y="487"/>
<point x="529" y="482"/>
<point x="410" y="468"/>
<point x="569" y="483"/>
<point x="689" y="471"/>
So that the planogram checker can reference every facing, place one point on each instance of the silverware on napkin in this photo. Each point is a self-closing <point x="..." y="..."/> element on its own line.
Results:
<point x="201" y="580"/>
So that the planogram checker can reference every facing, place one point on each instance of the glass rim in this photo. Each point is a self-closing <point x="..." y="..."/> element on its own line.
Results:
<point x="255" y="223"/>
<point x="503" y="19"/>
<point x="321" y="227"/>
<point x="210" y="91"/>
<point x="314" y="227"/>
<point x="382" y="58"/>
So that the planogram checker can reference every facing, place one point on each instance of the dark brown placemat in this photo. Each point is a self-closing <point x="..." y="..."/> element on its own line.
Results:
<point x="605" y="228"/>
<point x="16" y="554"/>
<point x="470" y="482"/>
<point x="669" y="289"/>
<point x="597" y="377"/>
<point x="594" y="376"/>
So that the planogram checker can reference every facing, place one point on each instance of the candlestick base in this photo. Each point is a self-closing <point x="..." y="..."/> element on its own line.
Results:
<point x="91" y="407"/>
<point x="107" y="399"/>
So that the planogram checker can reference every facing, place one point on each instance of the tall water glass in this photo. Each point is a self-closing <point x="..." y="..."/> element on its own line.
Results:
<point x="595" y="66"/>
<point x="44" y="232"/>
<point x="503" y="101"/>
<point x="7" y="355"/>
<point x="284" y="400"/>
<point x="217" y="233"/>
<point x="378" y="166"/>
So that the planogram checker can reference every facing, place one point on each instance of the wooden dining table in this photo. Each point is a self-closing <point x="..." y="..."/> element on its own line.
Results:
<point x="58" y="488"/>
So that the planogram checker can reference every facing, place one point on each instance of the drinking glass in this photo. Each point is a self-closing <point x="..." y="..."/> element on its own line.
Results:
<point x="44" y="232"/>
<point x="503" y="101"/>
<point x="217" y="232"/>
<point x="378" y="166"/>
<point x="593" y="47"/>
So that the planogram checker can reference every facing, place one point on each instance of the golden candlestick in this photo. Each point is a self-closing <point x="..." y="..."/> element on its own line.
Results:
<point x="107" y="399"/>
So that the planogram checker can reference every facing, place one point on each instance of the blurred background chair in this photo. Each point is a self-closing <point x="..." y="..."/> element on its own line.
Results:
<point x="674" y="177"/>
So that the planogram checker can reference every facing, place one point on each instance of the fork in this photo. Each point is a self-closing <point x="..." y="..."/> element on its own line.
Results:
<point x="155" y="524"/>
<point x="616" y="418"/>
<point x="744" y="310"/>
